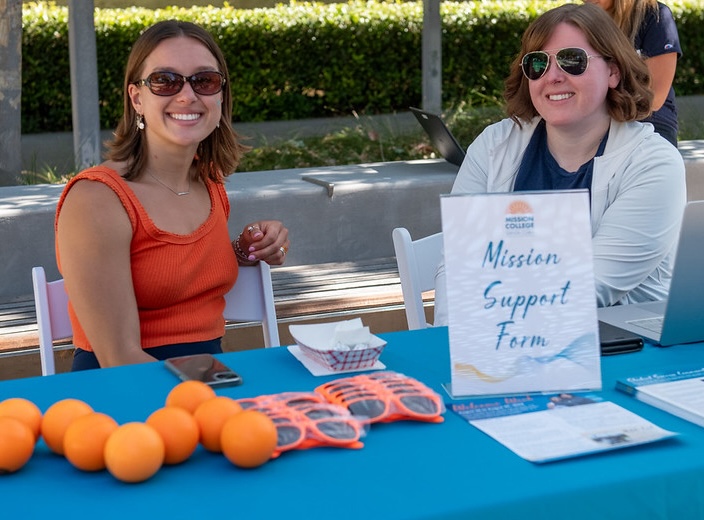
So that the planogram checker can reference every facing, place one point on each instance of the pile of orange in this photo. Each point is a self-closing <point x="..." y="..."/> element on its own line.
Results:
<point x="247" y="438"/>
<point x="211" y="416"/>
<point x="133" y="452"/>
<point x="20" y="426"/>
<point x="189" y="394"/>
<point x="57" y="419"/>
<point x="85" y="438"/>
<point x="179" y="432"/>
<point x="25" y="411"/>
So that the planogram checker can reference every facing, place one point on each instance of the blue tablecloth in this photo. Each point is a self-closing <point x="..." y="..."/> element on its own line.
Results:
<point x="405" y="470"/>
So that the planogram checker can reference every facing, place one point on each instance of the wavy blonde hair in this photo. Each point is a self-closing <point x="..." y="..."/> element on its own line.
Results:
<point x="629" y="15"/>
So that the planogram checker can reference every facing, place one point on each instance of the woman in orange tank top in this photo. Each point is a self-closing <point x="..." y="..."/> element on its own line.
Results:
<point x="142" y="240"/>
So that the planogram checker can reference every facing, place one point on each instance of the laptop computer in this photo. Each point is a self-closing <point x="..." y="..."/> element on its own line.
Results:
<point x="679" y="319"/>
<point x="440" y="136"/>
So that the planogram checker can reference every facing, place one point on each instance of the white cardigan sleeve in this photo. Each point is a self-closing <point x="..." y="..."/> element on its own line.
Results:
<point x="636" y="219"/>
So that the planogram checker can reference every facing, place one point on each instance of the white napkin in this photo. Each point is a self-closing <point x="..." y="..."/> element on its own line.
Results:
<point x="340" y="335"/>
<point x="347" y="338"/>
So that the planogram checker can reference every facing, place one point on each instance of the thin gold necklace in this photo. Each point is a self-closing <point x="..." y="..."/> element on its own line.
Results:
<point x="179" y="193"/>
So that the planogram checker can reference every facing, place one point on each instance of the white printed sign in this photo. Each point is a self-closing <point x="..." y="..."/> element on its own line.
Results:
<point x="520" y="293"/>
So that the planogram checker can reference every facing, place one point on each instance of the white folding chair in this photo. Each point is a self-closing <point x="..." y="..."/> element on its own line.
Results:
<point x="418" y="261"/>
<point x="51" y="305"/>
<point x="252" y="300"/>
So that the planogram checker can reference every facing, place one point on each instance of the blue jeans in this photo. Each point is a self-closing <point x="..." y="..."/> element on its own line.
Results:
<point x="85" y="360"/>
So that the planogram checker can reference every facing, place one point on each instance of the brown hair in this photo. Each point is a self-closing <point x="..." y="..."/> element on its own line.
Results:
<point x="218" y="154"/>
<point x="632" y="98"/>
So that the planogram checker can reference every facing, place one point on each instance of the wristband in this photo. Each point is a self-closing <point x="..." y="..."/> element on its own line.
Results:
<point x="240" y="254"/>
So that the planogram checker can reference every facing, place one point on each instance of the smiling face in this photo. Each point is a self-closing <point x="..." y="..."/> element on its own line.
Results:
<point x="186" y="118"/>
<point x="573" y="103"/>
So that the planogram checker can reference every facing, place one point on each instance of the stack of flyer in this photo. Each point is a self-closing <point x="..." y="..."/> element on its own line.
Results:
<point x="544" y="428"/>
<point x="679" y="392"/>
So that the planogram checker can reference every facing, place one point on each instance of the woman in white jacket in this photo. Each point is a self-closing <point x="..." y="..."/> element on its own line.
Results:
<point x="574" y="96"/>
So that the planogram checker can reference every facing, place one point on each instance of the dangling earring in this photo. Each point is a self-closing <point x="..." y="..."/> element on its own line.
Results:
<point x="140" y="122"/>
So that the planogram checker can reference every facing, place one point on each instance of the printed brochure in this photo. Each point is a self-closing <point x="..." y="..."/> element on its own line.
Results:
<point x="548" y="427"/>
<point x="679" y="392"/>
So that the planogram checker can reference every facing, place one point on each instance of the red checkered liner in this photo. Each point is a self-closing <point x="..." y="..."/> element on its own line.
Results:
<point x="345" y="359"/>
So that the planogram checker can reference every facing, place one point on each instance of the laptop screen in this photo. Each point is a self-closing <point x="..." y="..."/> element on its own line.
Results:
<point x="440" y="136"/>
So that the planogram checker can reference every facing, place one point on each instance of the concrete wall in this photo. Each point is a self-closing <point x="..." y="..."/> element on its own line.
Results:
<point x="333" y="214"/>
<point x="349" y="215"/>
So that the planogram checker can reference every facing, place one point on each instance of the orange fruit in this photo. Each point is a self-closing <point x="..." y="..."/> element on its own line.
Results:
<point x="24" y="410"/>
<point x="85" y="438"/>
<point x="211" y="415"/>
<point x="179" y="431"/>
<point x="58" y="417"/>
<point x="16" y="444"/>
<point x="189" y="394"/>
<point x="134" y="452"/>
<point x="248" y="439"/>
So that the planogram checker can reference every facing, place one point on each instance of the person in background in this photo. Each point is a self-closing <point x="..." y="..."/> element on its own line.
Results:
<point x="650" y="26"/>
<point x="574" y="96"/>
<point x="142" y="240"/>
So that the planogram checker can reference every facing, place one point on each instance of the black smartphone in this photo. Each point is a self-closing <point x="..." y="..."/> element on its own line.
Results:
<point x="205" y="368"/>
<point x="615" y="340"/>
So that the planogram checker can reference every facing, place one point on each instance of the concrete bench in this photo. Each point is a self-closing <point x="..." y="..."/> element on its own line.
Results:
<point x="324" y="290"/>
<point x="334" y="214"/>
<point x="368" y="289"/>
<point x="340" y="220"/>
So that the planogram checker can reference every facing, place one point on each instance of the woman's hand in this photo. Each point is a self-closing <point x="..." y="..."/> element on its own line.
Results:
<point x="265" y="240"/>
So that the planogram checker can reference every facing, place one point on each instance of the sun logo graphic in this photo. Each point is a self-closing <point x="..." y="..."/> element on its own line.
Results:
<point x="519" y="218"/>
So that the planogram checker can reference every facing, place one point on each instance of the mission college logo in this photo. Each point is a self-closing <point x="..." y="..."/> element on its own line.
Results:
<point x="519" y="218"/>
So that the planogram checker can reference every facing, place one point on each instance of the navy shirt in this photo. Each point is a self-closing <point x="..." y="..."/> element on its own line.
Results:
<point x="540" y="171"/>
<point x="658" y="35"/>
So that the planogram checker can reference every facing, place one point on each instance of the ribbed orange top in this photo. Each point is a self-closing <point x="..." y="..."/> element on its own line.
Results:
<point x="179" y="280"/>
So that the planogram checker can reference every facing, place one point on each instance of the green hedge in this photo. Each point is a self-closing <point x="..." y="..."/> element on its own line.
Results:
<point x="311" y="60"/>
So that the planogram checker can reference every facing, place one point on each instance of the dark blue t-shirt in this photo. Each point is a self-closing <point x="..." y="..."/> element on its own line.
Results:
<point x="540" y="171"/>
<point x="658" y="35"/>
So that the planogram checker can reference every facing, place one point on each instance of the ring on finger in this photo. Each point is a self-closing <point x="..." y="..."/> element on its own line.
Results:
<point x="283" y="250"/>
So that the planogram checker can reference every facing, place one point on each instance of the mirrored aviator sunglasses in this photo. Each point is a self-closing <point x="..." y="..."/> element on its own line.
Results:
<point x="571" y="60"/>
<point x="206" y="83"/>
